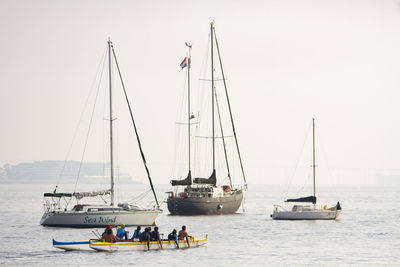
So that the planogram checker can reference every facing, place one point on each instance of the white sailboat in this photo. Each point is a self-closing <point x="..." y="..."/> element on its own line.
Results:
<point x="89" y="215"/>
<point x="308" y="211"/>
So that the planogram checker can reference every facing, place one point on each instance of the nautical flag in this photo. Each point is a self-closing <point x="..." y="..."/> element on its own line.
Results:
<point x="184" y="63"/>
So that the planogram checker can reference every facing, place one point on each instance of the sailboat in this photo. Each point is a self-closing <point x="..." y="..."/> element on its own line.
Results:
<point x="89" y="215"/>
<point x="202" y="195"/>
<point x="308" y="211"/>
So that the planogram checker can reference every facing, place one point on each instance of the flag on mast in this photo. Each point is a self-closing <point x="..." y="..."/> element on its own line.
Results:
<point x="184" y="63"/>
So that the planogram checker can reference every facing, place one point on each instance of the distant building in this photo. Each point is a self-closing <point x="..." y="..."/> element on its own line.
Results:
<point x="53" y="170"/>
<point x="388" y="177"/>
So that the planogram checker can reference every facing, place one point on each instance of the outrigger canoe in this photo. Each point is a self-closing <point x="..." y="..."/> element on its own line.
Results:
<point x="153" y="245"/>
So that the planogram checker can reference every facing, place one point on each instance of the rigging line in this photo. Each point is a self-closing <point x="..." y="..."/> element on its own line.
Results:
<point x="223" y="139"/>
<point x="88" y="132"/>
<point x="229" y="107"/>
<point x="298" y="161"/>
<point x="321" y="145"/>
<point x="134" y="126"/>
<point x="305" y="182"/>
<point x="116" y="147"/>
<point x="80" y="118"/>
<point x="212" y="93"/>
<point x="141" y="196"/>
<point x="199" y="95"/>
<point x="104" y="141"/>
<point x="179" y="132"/>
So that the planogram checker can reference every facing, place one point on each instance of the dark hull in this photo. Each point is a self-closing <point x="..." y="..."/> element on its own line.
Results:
<point x="228" y="204"/>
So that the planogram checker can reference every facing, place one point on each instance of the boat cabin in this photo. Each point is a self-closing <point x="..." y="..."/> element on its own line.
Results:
<point x="200" y="191"/>
<point x="94" y="208"/>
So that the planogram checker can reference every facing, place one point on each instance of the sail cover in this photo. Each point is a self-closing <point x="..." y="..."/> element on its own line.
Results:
<point x="80" y="195"/>
<point x="212" y="180"/>
<point x="57" y="195"/>
<point x="186" y="181"/>
<point x="311" y="199"/>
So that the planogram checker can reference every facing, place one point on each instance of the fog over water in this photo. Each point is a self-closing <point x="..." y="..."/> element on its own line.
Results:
<point x="285" y="62"/>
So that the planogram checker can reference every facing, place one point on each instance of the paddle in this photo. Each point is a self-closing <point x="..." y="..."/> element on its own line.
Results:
<point x="96" y="234"/>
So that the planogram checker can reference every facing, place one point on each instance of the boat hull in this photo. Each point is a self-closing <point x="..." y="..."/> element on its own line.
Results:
<point x="73" y="246"/>
<point x="153" y="245"/>
<point x="306" y="215"/>
<point x="99" y="219"/>
<point x="228" y="204"/>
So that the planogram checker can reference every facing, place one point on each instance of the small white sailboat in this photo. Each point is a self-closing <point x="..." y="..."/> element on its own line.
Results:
<point x="57" y="211"/>
<point x="308" y="211"/>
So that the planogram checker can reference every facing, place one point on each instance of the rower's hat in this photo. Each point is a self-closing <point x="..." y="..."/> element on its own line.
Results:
<point x="108" y="226"/>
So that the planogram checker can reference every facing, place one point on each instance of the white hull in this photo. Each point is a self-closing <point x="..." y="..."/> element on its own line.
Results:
<point x="99" y="219"/>
<point x="72" y="246"/>
<point x="317" y="214"/>
<point x="76" y="247"/>
<point x="153" y="245"/>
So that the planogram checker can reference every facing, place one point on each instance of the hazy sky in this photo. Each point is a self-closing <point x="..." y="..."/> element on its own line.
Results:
<point x="286" y="62"/>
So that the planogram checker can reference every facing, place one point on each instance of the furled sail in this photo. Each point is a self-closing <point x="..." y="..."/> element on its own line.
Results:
<point x="212" y="180"/>
<point x="80" y="195"/>
<point x="57" y="194"/>
<point x="186" y="181"/>
<point x="311" y="199"/>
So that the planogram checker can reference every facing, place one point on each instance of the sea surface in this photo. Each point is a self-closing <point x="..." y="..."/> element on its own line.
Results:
<point x="367" y="232"/>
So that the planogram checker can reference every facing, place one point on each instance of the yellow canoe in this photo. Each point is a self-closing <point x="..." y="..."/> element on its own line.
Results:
<point x="153" y="245"/>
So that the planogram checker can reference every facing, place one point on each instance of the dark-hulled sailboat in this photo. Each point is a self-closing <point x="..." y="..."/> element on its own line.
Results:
<point x="202" y="195"/>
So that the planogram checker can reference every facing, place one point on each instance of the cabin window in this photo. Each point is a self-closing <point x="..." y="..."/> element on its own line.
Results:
<point x="77" y="208"/>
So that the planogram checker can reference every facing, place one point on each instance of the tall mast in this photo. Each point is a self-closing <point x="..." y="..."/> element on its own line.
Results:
<point x="188" y="72"/>
<point x="313" y="132"/>
<point x="212" y="91"/>
<point x="111" y="124"/>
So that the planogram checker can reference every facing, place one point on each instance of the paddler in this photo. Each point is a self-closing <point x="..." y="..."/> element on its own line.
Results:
<point x="183" y="234"/>
<point x="108" y="236"/>
<point x="155" y="236"/>
<point x="121" y="233"/>
<point x="145" y="237"/>
<point x="174" y="236"/>
<point x="136" y="233"/>
<point x="105" y="230"/>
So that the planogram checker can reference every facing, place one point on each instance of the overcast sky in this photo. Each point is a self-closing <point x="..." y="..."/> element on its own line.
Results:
<point x="286" y="62"/>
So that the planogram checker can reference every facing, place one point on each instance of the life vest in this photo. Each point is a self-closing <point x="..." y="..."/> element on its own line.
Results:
<point x="171" y="236"/>
<point x="226" y="188"/>
<point x="136" y="234"/>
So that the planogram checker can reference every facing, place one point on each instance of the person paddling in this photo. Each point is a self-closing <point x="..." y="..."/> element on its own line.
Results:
<point x="136" y="233"/>
<point x="174" y="236"/>
<point x="145" y="237"/>
<point x="155" y="235"/>
<point x="183" y="234"/>
<point x="105" y="230"/>
<point x="108" y="236"/>
<point x="121" y="233"/>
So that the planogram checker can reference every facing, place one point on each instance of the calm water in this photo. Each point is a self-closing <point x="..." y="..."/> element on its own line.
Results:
<point x="366" y="233"/>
